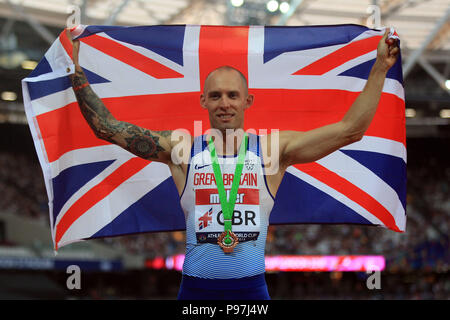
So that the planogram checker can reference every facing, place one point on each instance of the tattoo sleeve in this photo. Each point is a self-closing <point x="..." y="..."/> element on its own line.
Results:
<point x="139" y="141"/>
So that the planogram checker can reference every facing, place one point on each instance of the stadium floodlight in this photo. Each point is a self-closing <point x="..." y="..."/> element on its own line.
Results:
<point x="410" y="112"/>
<point x="29" y="64"/>
<point x="9" y="96"/>
<point x="447" y="84"/>
<point x="272" y="5"/>
<point x="444" y="113"/>
<point x="284" y="7"/>
<point x="237" y="3"/>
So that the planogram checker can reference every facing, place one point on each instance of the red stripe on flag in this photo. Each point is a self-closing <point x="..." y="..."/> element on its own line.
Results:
<point x="131" y="57"/>
<point x="220" y="46"/>
<point x="303" y="110"/>
<point x="348" y="189"/>
<point x="340" y="56"/>
<point x="65" y="129"/>
<point x="65" y="42"/>
<point x="97" y="193"/>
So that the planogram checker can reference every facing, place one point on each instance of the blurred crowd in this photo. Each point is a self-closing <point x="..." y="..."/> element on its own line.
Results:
<point x="160" y="284"/>
<point x="424" y="245"/>
<point x="22" y="187"/>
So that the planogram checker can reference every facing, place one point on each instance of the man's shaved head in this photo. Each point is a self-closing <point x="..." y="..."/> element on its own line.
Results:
<point x="226" y="97"/>
<point x="227" y="68"/>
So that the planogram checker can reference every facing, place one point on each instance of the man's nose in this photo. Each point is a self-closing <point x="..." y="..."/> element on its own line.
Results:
<point x="224" y="102"/>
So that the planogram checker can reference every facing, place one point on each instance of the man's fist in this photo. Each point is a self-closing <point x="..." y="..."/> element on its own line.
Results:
<point x="387" y="52"/>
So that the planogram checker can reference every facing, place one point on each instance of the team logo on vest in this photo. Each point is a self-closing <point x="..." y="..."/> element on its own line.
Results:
<point x="205" y="219"/>
<point x="249" y="164"/>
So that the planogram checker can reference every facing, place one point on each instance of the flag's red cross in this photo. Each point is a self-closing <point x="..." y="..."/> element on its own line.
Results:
<point x="218" y="45"/>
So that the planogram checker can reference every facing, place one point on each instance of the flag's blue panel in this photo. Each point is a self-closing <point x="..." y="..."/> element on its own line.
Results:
<point x="170" y="46"/>
<point x="158" y="210"/>
<point x="89" y="30"/>
<point x="299" y="202"/>
<point x="45" y="87"/>
<point x="390" y="169"/>
<point x="286" y="39"/>
<point x="362" y="71"/>
<point x="43" y="67"/>
<point x="94" y="78"/>
<point x="71" y="180"/>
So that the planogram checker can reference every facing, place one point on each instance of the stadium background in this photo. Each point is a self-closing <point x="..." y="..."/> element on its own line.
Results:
<point x="136" y="267"/>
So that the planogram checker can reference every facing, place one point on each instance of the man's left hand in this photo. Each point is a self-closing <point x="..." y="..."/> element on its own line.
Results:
<point x="387" y="52"/>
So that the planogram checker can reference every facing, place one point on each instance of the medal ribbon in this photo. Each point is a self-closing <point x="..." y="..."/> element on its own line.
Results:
<point x="228" y="205"/>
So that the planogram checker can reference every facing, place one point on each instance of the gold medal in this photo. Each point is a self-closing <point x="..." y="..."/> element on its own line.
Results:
<point x="227" y="242"/>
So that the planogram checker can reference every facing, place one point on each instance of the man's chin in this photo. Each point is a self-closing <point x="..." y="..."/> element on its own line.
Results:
<point x="227" y="127"/>
<point x="222" y="125"/>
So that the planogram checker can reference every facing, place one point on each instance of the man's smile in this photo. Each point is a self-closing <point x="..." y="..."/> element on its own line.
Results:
<point x="225" y="117"/>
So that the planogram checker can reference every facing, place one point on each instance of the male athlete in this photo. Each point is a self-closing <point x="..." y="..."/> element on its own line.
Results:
<point x="226" y="222"/>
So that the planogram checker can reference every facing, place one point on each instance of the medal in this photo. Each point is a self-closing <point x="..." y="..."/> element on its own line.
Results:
<point x="228" y="240"/>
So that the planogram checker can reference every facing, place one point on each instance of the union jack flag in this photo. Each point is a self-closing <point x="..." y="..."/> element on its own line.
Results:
<point x="152" y="76"/>
<point x="205" y="219"/>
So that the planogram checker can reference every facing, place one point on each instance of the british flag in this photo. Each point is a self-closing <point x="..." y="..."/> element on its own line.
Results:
<point x="205" y="219"/>
<point x="152" y="76"/>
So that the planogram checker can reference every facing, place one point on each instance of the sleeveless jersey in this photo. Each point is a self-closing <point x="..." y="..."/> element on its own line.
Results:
<point x="204" y="219"/>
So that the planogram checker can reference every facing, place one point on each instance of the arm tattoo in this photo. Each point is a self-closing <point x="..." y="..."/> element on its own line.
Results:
<point x="165" y="133"/>
<point x="142" y="143"/>
<point x="92" y="107"/>
<point x="139" y="141"/>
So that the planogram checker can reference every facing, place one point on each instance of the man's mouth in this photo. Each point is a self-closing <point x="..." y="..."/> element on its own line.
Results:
<point x="225" y="116"/>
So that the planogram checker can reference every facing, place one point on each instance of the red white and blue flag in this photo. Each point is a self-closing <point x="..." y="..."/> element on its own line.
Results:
<point x="205" y="219"/>
<point x="152" y="76"/>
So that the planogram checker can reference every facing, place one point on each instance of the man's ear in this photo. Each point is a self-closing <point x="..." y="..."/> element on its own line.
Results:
<point x="249" y="101"/>
<point x="202" y="100"/>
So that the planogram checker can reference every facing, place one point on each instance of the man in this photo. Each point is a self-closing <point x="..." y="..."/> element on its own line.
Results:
<point x="217" y="192"/>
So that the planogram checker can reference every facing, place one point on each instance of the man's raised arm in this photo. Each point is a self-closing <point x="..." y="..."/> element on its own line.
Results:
<point x="302" y="147"/>
<point x="147" y="144"/>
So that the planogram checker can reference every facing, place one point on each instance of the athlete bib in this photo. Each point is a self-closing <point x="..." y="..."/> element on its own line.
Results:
<point x="246" y="220"/>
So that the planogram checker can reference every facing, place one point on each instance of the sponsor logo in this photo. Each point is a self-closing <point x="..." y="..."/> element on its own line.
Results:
<point x="245" y="196"/>
<point x="197" y="167"/>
